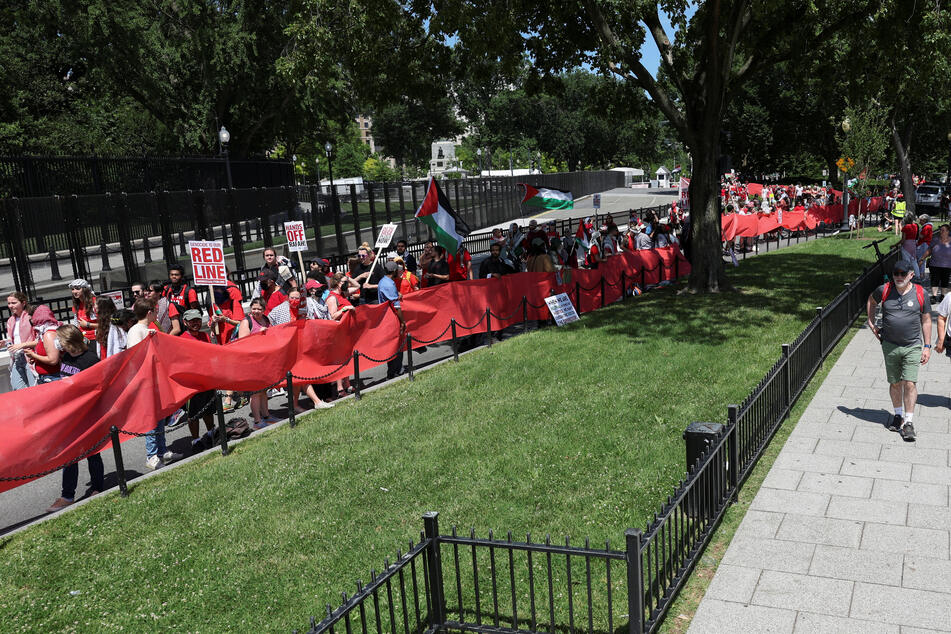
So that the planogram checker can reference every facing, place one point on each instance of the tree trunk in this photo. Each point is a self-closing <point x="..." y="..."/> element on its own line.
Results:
<point x="706" y="247"/>
<point x="901" y="143"/>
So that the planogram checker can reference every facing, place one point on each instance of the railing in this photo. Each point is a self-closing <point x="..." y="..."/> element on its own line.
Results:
<point x="49" y="230"/>
<point x="657" y="561"/>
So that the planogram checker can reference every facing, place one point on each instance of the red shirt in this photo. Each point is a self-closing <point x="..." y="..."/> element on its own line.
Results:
<point x="277" y="297"/>
<point x="198" y="336"/>
<point x="927" y="232"/>
<point x="909" y="231"/>
<point x="185" y="297"/>
<point x="230" y="308"/>
<point x="82" y="315"/>
<point x="459" y="270"/>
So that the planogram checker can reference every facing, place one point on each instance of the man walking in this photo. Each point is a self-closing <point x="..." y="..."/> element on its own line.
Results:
<point x="906" y="340"/>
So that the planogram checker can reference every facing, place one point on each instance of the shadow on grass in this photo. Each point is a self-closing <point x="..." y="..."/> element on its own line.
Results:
<point x="786" y="284"/>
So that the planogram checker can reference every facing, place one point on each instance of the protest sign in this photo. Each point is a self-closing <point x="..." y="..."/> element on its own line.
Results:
<point x="596" y="200"/>
<point x="386" y="236"/>
<point x="115" y="296"/>
<point x="561" y="308"/>
<point x="296" y="238"/>
<point x="208" y="262"/>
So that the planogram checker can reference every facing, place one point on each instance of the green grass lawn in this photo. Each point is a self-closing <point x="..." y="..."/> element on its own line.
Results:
<point x="573" y="431"/>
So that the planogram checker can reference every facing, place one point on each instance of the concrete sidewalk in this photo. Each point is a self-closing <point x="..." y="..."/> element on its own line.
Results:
<point x="850" y="530"/>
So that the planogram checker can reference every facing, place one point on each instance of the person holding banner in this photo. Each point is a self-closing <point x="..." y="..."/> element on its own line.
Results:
<point x="387" y="294"/>
<point x="75" y="358"/>
<point x="369" y="276"/>
<point x="407" y="282"/>
<point x="199" y="404"/>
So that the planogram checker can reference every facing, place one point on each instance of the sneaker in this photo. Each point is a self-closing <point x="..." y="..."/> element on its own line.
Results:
<point x="907" y="432"/>
<point x="153" y="462"/>
<point x="175" y="418"/>
<point x="322" y="404"/>
<point x="895" y="425"/>
<point x="272" y="393"/>
<point x="170" y="456"/>
<point x="61" y="503"/>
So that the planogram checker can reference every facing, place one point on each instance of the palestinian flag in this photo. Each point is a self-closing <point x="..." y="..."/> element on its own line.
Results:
<point x="547" y="198"/>
<point x="582" y="242"/>
<point x="436" y="213"/>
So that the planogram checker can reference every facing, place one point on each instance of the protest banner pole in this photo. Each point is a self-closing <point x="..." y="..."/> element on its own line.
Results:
<point x="214" y="311"/>
<point x="303" y="272"/>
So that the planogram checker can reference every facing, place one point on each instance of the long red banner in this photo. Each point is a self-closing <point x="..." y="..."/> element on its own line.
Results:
<point x="48" y="425"/>
<point x="752" y="225"/>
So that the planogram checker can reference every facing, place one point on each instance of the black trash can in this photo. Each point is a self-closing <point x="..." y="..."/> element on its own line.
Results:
<point x="700" y="502"/>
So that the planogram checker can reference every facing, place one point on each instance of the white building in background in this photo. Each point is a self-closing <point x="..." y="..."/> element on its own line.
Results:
<point x="365" y="124"/>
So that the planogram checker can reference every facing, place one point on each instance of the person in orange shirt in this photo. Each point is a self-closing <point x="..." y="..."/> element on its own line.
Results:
<point x="406" y="282"/>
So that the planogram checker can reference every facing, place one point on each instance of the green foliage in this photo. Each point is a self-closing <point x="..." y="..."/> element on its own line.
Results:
<point x="377" y="170"/>
<point x="406" y="130"/>
<point x="865" y="142"/>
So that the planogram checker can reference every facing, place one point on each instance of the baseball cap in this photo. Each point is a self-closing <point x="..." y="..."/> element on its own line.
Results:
<point x="312" y="284"/>
<point x="391" y="267"/>
<point x="901" y="266"/>
<point x="190" y="314"/>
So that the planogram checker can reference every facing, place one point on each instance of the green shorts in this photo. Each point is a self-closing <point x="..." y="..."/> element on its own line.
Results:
<point x="901" y="362"/>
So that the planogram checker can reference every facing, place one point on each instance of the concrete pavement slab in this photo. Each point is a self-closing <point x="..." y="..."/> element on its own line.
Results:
<point x="807" y="593"/>
<point x="901" y="606"/>
<point x="783" y="479"/>
<point x="906" y="540"/>
<point x="854" y="565"/>
<point x="848" y="449"/>
<point x="921" y="492"/>
<point x="820" y="530"/>
<point x="876" y="469"/>
<point x="922" y="572"/>
<point x="801" y="502"/>
<point x="807" y="623"/>
<point x="880" y="511"/>
<point x="929" y="516"/>
<point x="808" y="462"/>
<point x="914" y="454"/>
<point x="836" y="484"/>
<point x="725" y="617"/>
<point x="735" y="584"/>
<point x="770" y="554"/>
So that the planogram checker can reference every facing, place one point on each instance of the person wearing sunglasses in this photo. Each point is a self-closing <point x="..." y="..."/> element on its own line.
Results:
<point x="905" y="335"/>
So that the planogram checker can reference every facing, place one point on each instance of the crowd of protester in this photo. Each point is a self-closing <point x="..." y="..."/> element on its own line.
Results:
<point x="43" y="350"/>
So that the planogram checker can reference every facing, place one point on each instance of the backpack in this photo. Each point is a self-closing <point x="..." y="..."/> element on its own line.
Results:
<point x="919" y="293"/>
<point x="236" y="428"/>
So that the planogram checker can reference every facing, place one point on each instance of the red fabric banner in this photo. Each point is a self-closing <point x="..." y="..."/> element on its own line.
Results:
<point x="48" y="425"/>
<point x="752" y="225"/>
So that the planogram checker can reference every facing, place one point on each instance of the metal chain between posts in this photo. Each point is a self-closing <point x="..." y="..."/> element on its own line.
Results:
<point x="472" y="327"/>
<point x="41" y="474"/>
<point x="505" y="317"/>
<point x="369" y="358"/>
<point x="322" y="376"/>
<point x="426" y="342"/>
<point x="531" y="305"/>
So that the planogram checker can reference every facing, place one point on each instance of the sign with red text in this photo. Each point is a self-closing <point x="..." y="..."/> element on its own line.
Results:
<point x="296" y="238"/>
<point x="386" y="236"/>
<point x="115" y="296"/>
<point x="561" y="309"/>
<point x="208" y="262"/>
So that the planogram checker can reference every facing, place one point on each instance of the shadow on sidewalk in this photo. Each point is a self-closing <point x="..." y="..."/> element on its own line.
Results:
<point x="877" y="416"/>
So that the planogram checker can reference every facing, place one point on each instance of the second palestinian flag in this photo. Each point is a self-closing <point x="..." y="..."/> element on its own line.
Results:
<point x="547" y="198"/>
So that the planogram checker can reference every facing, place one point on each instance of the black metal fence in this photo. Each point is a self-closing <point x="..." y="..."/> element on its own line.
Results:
<point x="32" y="176"/>
<point x="40" y="233"/>
<point x="525" y="592"/>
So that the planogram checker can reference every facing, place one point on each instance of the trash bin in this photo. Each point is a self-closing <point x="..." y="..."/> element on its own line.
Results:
<point x="701" y="503"/>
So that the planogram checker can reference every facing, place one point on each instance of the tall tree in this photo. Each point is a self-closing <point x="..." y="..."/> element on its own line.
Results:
<point x="716" y="50"/>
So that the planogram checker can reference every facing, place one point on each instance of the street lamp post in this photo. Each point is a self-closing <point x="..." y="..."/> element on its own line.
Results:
<point x="338" y="225"/>
<point x="294" y="167"/>
<point x="846" y="127"/>
<point x="317" y="163"/>
<point x="479" y="154"/>
<point x="224" y="137"/>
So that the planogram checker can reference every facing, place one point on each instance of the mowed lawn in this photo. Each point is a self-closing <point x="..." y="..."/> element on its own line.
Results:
<point x="569" y="431"/>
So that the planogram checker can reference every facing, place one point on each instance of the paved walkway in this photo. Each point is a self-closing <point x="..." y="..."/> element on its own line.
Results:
<point x="850" y="530"/>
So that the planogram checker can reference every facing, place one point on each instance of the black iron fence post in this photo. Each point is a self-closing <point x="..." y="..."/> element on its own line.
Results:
<point x="436" y="597"/>
<point x="55" y="275"/>
<point x="291" y="401"/>
<point x="409" y="355"/>
<point x="237" y="243"/>
<point x="165" y="222"/>
<point x="264" y="226"/>
<point x="16" y="248"/>
<point x="199" y="219"/>
<point x="822" y="339"/>
<point x="524" y="313"/>
<point x="635" y="582"/>
<point x="455" y="342"/>
<point x="488" y="326"/>
<point x="315" y="220"/>
<point x="120" y="465"/>
<point x="355" y="212"/>
<point x="222" y="428"/>
<point x="788" y="383"/>
<point x="73" y="236"/>
<point x="121" y="209"/>
<point x="732" y="412"/>
<point x="356" y="375"/>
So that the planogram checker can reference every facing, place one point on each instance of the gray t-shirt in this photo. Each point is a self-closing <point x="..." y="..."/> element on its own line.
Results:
<point x="901" y="315"/>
